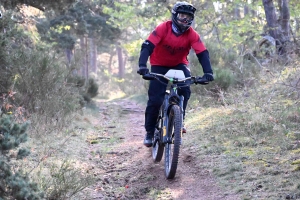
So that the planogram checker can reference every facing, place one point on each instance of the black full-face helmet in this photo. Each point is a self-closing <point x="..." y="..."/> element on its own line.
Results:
<point x="185" y="8"/>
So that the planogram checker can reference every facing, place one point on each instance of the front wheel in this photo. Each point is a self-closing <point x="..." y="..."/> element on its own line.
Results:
<point x="158" y="146"/>
<point x="172" y="147"/>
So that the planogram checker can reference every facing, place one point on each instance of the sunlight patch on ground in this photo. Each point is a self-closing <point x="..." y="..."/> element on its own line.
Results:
<point x="116" y="95"/>
<point x="113" y="95"/>
<point x="206" y="117"/>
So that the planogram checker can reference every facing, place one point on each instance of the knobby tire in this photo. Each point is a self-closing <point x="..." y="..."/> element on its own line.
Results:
<point x="157" y="150"/>
<point x="172" y="149"/>
<point x="158" y="147"/>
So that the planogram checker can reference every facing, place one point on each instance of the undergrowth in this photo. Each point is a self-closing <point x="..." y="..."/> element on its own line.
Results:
<point x="35" y="87"/>
<point x="253" y="135"/>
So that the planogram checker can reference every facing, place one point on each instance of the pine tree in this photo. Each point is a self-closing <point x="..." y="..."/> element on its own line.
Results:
<point x="14" y="185"/>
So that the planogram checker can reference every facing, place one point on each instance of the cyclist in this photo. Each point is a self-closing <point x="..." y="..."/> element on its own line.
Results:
<point x="168" y="47"/>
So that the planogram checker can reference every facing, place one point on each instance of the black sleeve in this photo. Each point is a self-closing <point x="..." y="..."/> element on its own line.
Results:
<point x="204" y="60"/>
<point x="146" y="51"/>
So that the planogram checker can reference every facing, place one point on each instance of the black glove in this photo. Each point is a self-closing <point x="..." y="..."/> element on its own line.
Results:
<point x="208" y="76"/>
<point x="201" y="80"/>
<point x="143" y="70"/>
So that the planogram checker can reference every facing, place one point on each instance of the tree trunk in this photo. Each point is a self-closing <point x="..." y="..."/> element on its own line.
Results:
<point x="284" y="19"/>
<point x="84" y="63"/>
<point x="120" y="61"/>
<point x="237" y="13"/>
<point x="279" y="31"/>
<point x="69" y="55"/>
<point x="271" y="18"/>
<point x="86" y="59"/>
<point x="246" y="10"/>
<point x="93" y="55"/>
<point x="124" y="62"/>
<point x="110" y="63"/>
<point x="297" y="28"/>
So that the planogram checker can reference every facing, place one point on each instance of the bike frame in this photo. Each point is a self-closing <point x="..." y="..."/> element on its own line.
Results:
<point x="174" y="77"/>
<point x="171" y="98"/>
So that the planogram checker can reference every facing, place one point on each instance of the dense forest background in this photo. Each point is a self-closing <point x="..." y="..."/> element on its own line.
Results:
<point x="56" y="56"/>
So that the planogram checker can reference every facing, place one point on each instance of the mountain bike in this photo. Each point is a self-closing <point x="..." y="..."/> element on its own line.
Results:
<point x="168" y="130"/>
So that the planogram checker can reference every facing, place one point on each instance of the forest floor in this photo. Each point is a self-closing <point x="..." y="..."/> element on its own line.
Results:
<point x="123" y="166"/>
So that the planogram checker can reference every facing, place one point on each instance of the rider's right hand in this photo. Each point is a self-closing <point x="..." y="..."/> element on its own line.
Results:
<point x="143" y="70"/>
<point x="201" y="80"/>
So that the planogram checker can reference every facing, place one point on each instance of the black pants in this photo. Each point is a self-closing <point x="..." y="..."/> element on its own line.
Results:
<point x="156" y="93"/>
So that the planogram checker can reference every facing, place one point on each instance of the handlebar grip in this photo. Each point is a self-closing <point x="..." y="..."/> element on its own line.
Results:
<point x="148" y="77"/>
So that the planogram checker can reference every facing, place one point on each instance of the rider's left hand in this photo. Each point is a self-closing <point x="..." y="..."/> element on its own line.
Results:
<point x="208" y="76"/>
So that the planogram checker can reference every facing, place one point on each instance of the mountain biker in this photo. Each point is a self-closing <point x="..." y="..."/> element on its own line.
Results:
<point x="168" y="47"/>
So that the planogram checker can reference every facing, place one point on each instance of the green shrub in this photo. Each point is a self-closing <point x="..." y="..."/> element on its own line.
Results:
<point x="224" y="78"/>
<point x="220" y="56"/>
<point x="64" y="181"/>
<point x="40" y="84"/>
<point x="132" y="83"/>
<point x="8" y="44"/>
<point x="14" y="185"/>
<point x="90" y="90"/>
<point x="36" y="75"/>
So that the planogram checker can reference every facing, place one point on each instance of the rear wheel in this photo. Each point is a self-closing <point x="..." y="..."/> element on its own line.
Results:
<point x="158" y="146"/>
<point x="172" y="147"/>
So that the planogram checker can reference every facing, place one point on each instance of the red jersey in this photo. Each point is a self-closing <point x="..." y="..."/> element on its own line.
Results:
<point x="171" y="50"/>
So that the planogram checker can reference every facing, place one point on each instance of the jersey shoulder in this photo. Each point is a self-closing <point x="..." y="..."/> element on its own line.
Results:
<point x="192" y="32"/>
<point x="164" y="26"/>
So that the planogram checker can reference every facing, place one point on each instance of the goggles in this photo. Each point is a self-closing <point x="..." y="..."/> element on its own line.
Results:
<point x="184" y="17"/>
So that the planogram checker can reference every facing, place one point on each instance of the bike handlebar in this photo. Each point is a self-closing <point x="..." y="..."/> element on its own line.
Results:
<point x="194" y="79"/>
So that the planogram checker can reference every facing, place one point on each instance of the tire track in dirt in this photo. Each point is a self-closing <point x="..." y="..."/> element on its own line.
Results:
<point x="128" y="171"/>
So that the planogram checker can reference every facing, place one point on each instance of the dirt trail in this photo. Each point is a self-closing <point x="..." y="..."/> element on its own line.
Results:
<point x="126" y="170"/>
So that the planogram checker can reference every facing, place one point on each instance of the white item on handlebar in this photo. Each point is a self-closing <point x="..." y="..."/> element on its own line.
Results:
<point x="172" y="73"/>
